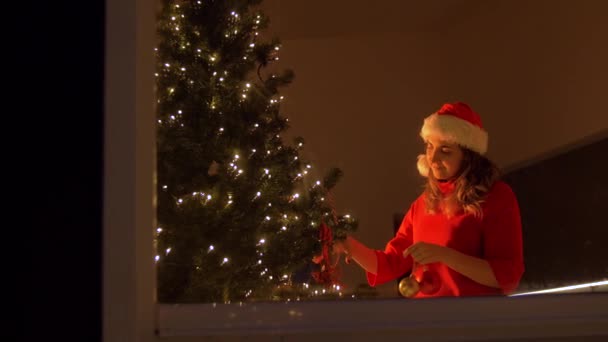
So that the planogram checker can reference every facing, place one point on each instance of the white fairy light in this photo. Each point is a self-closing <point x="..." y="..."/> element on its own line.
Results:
<point x="283" y="228"/>
<point x="168" y="250"/>
<point x="210" y="248"/>
<point x="156" y="258"/>
<point x="208" y="197"/>
<point x="180" y="200"/>
<point x="225" y="261"/>
<point x="262" y="241"/>
<point x="159" y="229"/>
<point x="267" y="218"/>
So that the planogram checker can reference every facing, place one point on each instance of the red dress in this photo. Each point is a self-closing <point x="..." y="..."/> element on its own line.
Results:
<point x="496" y="237"/>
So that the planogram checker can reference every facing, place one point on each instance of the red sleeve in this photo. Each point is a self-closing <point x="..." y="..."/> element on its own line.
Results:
<point x="502" y="237"/>
<point x="391" y="263"/>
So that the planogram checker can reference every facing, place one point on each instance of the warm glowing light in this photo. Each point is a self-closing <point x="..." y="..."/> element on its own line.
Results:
<point x="564" y="289"/>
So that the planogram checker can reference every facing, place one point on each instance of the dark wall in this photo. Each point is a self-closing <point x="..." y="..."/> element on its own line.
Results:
<point x="564" y="206"/>
<point x="59" y="148"/>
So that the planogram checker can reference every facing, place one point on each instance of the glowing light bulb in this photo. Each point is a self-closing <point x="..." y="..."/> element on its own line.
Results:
<point x="159" y="229"/>
<point x="262" y="241"/>
<point x="224" y="261"/>
<point x="267" y="218"/>
<point x="211" y="248"/>
<point x="283" y="228"/>
<point x="168" y="250"/>
<point x="156" y="258"/>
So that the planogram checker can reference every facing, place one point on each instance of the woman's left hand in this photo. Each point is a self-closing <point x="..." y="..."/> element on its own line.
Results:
<point x="426" y="253"/>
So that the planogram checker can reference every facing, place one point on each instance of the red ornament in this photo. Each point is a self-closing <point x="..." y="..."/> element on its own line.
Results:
<point x="429" y="282"/>
<point x="328" y="274"/>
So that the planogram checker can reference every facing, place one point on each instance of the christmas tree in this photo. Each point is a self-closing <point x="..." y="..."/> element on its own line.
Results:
<point x="237" y="214"/>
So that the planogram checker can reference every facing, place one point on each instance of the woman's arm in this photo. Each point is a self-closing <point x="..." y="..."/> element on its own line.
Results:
<point x="476" y="269"/>
<point x="361" y="254"/>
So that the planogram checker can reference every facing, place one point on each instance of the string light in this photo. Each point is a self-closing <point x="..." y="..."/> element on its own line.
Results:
<point x="211" y="248"/>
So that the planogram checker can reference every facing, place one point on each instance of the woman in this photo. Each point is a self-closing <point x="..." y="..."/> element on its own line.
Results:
<point x="462" y="236"/>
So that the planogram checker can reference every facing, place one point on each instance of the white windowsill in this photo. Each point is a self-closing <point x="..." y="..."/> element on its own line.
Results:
<point x="486" y="318"/>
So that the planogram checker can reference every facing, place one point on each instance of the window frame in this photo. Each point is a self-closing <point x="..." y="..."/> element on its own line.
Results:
<point x="130" y="310"/>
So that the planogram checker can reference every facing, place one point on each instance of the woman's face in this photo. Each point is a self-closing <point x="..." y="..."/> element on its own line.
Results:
<point x="444" y="158"/>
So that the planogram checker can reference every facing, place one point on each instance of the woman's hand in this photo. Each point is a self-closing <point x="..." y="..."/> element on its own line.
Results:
<point x="426" y="253"/>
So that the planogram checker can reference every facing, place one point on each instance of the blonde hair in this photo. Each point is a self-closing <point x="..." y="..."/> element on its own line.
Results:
<point x="476" y="176"/>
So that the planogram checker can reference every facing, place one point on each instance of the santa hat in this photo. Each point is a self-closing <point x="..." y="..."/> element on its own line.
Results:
<point x="456" y="123"/>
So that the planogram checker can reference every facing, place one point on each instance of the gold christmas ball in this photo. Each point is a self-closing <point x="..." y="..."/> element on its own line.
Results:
<point x="408" y="287"/>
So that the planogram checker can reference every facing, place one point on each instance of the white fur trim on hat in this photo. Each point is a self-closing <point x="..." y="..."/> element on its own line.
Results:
<point x="423" y="165"/>
<point x="453" y="129"/>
